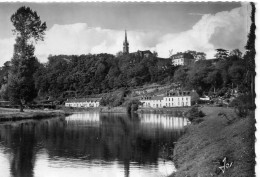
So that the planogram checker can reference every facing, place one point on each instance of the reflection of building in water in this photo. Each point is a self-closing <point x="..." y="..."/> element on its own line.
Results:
<point x="163" y="120"/>
<point x="91" y="118"/>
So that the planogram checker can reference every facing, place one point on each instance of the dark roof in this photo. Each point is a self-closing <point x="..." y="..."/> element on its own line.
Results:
<point x="162" y="59"/>
<point x="143" y="52"/>
<point x="182" y="55"/>
<point x="179" y="93"/>
<point x="83" y="100"/>
<point x="152" y="98"/>
<point x="157" y="98"/>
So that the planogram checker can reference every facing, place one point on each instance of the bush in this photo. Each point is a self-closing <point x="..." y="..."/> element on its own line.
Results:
<point x="195" y="115"/>
<point x="242" y="105"/>
<point x="132" y="105"/>
<point x="113" y="99"/>
<point x="222" y="91"/>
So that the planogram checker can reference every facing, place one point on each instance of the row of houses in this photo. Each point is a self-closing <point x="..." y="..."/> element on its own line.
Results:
<point x="83" y="102"/>
<point x="170" y="99"/>
<point x="173" y="99"/>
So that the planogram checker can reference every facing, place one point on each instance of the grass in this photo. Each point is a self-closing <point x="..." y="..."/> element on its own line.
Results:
<point x="7" y="114"/>
<point x="201" y="150"/>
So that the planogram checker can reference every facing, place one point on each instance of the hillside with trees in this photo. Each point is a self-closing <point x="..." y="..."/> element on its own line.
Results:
<point x="66" y="76"/>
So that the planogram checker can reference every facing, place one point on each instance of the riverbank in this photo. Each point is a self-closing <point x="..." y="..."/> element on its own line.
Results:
<point x="202" y="149"/>
<point x="103" y="109"/>
<point x="7" y="114"/>
<point x="121" y="109"/>
<point x="163" y="110"/>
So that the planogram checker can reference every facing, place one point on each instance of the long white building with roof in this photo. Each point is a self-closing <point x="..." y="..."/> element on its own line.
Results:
<point x="174" y="99"/>
<point x="83" y="102"/>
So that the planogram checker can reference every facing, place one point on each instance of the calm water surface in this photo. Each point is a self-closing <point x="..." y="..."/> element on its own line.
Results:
<point x="90" y="145"/>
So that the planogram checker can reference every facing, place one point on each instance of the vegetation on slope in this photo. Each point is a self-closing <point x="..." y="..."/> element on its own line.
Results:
<point x="201" y="151"/>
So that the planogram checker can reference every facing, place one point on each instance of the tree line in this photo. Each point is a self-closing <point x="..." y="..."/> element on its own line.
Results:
<point x="24" y="78"/>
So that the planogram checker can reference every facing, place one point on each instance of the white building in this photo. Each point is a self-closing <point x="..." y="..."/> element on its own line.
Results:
<point x="154" y="102"/>
<point x="174" y="99"/>
<point x="83" y="102"/>
<point x="182" y="59"/>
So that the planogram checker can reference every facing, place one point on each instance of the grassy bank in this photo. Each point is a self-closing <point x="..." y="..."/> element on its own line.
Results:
<point x="203" y="147"/>
<point x="7" y="114"/>
<point x="113" y="109"/>
<point x="105" y="109"/>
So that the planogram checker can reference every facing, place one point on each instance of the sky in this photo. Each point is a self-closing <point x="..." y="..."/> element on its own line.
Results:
<point x="88" y="27"/>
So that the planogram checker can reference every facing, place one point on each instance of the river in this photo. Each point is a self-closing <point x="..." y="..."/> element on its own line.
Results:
<point x="90" y="144"/>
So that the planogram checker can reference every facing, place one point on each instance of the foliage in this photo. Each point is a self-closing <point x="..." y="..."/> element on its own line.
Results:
<point x="28" y="28"/>
<point x="101" y="73"/>
<point x="194" y="115"/>
<point x="4" y="79"/>
<point x="133" y="105"/>
<point x="205" y="76"/>
<point x="197" y="55"/>
<point x="113" y="99"/>
<point x="181" y="75"/>
<point x="221" y="54"/>
<point x="194" y="98"/>
<point x="242" y="105"/>
<point x="27" y="24"/>
<point x="197" y="76"/>
<point x="250" y="57"/>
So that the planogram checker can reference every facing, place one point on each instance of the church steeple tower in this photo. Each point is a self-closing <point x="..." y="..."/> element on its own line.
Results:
<point x="126" y="45"/>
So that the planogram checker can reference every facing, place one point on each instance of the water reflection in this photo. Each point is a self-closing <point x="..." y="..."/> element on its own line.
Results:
<point x="89" y="144"/>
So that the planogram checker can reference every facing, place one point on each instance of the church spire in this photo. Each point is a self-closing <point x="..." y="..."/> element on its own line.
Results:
<point x="125" y="45"/>
<point x="125" y="36"/>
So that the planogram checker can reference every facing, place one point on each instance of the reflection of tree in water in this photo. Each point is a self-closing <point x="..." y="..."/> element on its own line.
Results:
<point x="112" y="137"/>
<point x="21" y="141"/>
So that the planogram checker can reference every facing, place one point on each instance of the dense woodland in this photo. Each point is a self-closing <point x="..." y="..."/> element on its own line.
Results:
<point x="64" y="76"/>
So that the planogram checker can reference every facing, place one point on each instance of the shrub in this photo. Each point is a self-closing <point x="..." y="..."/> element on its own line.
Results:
<point x="113" y="99"/>
<point x="132" y="105"/>
<point x="222" y="91"/>
<point x="195" y="115"/>
<point x="242" y="105"/>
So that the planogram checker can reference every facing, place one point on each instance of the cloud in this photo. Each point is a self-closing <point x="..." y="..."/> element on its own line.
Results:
<point x="6" y="49"/>
<point x="222" y="30"/>
<point x="81" y="39"/>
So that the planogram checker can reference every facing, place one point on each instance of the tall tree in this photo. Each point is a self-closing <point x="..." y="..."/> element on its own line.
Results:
<point x="250" y="56"/>
<point x="28" y="29"/>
